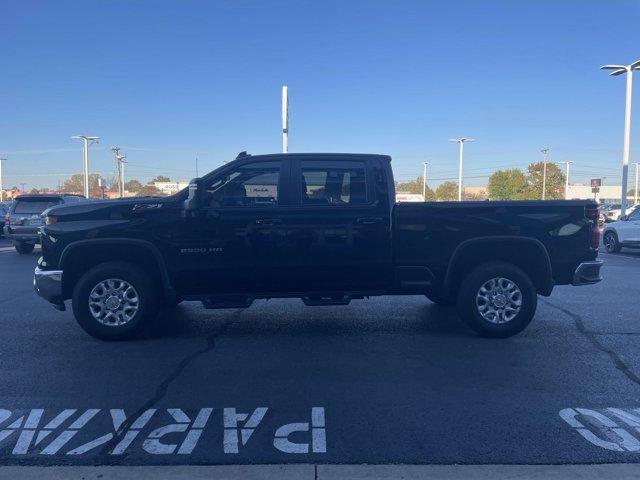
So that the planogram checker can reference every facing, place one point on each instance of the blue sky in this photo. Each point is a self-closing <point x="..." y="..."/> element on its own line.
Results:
<point x="171" y="80"/>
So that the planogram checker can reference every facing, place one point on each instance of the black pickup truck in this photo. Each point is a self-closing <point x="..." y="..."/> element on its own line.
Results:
<point x="321" y="227"/>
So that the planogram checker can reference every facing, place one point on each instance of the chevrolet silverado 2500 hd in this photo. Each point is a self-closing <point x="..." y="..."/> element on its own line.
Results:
<point x="321" y="227"/>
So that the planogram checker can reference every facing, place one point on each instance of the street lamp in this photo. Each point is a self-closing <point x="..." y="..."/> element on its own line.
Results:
<point x="545" y="152"/>
<point x="635" y="192"/>
<point x="285" y="119"/>
<point x="85" y="158"/>
<point x="566" y="181"/>
<point x="461" y="141"/>
<point x="424" y="181"/>
<point x="619" y="70"/>
<point x="1" y="191"/>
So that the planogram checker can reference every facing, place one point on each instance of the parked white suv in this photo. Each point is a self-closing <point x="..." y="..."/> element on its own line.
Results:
<point x="623" y="233"/>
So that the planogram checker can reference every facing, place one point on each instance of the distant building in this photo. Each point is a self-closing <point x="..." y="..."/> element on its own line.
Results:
<point x="169" y="188"/>
<point x="607" y="193"/>
<point x="409" y="197"/>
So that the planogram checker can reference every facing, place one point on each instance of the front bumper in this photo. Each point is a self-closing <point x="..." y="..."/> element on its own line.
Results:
<point x="587" y="273"/>
<point x="48" y="284"/>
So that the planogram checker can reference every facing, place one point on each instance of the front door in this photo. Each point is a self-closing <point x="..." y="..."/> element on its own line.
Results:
<point x="225" y="240"/>
<point x="629" y="229"/>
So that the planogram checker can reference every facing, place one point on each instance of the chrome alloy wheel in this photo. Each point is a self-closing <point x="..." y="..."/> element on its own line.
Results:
<point x="113" y="302"/>
<point x="609" y="242"/>
<point x="499" y="300"/>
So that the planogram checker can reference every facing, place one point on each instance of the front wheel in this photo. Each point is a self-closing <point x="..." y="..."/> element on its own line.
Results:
<point x="611" y="243"/>
<point x="114" y="301"/>
<point x="497" y="299"/>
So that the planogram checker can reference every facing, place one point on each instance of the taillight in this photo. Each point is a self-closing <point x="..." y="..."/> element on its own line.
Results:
<point x="591" y="212"/>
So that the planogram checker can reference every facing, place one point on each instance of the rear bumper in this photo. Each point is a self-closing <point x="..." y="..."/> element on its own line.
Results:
<point x="48" y="284"/>
<point x="27" y="235"/>
<point x="587" y="273"/>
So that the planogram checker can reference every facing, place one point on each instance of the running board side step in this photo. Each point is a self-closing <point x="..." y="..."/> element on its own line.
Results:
<point x="326" y="299"/>
<point x="227" y="301"/>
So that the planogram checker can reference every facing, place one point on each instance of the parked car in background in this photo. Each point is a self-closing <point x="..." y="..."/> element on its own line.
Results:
<point x="23" y="219"/>
<point x="623" y="233"/>
<point x="612" y="212"/>
<point x="4" y="212"/>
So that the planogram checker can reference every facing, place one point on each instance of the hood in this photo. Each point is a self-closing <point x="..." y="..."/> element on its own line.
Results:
<point x="111" y="209"/>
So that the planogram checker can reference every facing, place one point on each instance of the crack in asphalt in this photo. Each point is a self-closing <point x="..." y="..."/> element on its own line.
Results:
<point x="161" y="390"/>
<point x="591" y="336"/>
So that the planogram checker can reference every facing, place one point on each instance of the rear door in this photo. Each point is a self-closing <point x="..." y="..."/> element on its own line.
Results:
<point x="339" y="233"/>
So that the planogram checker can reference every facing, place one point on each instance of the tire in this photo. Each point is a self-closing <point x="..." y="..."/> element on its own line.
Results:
<point x="124" y="321"/>
<point x="611" y="243"/>
<point x="441" y="301"/>
<point x="24" y="248"/>
<point x="486" y="317"/>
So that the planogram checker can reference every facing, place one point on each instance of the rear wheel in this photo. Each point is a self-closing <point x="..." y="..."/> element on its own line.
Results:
<point x="24" y="248"/>
<point x="611" y="243"/>
<point x="114" y="301"/>
<point x="497" y="299"/>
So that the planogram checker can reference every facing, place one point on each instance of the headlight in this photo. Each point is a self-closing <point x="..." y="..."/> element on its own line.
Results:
<point x="50" y="220"/>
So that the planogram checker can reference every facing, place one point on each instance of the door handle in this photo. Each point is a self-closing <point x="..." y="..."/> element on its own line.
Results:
<point x="268" y="221"/>
<point x="368" y="220"/>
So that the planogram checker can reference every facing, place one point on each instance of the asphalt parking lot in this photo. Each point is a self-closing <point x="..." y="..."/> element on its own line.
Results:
<point x="387" y="380"/>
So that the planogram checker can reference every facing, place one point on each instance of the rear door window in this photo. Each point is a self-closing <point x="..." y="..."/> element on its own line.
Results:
<point x="35" y="206"/>
<point x="333" y="183"/>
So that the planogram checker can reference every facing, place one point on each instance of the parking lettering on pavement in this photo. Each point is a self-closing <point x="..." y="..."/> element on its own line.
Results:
<point x="155" y="431"/>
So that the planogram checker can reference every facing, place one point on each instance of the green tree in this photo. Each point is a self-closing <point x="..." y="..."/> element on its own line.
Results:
<point x="474" y="196"/>
<point x="133" y="186"/>
<point x="416" y="186"/>
<point x="555" y="181"/>
<point x="149" y="191"/>
<point x="508" y="185"/>
<point x="447" y="191"/>
<point x="160" y="178"/>
<point x="75" y="184"/>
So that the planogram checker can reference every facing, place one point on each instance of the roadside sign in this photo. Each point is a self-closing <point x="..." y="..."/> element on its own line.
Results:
<point x="596" y="182"/>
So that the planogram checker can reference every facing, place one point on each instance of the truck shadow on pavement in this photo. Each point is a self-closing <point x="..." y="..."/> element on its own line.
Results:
<point x="382" y="315"/>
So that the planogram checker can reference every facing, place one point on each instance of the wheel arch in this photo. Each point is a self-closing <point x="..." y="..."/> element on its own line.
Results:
<point x="529" y="254"/>
<point x="80" y="256"/>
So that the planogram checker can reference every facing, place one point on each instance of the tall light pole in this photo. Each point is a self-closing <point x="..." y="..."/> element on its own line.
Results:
<point x="285" y="119"/>
<point x="635" y="192"/>
<point x="566" y="180"/>
<point x="85" y="158"/>
<point x="461" y="141"/>
<point x="619" y="70"/>
<point x="1" y="191"/>
<point x="424" y="181"/>
<point x="545" y="152"/>
<point x="120" y="169"/>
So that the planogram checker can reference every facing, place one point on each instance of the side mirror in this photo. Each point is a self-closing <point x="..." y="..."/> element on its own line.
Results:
<point x="194" y="200"/>
<point x="623" y="218"/>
